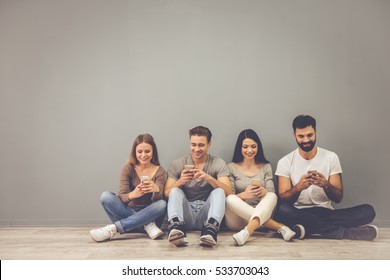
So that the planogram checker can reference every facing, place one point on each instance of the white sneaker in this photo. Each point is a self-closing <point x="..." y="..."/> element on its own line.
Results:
<point x="153" y="231"/>
<point x="104" y="233"/>
<point x="241" y="237"/>
<point x="287" y="233"/>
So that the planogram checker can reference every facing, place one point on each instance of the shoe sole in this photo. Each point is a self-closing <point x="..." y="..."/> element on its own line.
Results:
<point x="302" y="230"/>
<point x="207" y="240"/>
<point x="90" y="233"/>
<point x="93" y="239"/>
<point x="177" y="237"/>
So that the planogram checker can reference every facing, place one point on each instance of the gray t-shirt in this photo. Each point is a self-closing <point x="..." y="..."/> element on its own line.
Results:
<point x="241" y="181"/>
<point x="198" y="189"/>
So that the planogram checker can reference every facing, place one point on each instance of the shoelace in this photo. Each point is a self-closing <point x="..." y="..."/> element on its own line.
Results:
<point x="112" y="233"/>
<point x="176" y="225"/>
<point x="210" y="229"/>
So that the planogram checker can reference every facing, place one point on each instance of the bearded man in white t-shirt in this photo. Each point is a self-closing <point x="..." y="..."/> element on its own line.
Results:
<point x="309" y="179"/>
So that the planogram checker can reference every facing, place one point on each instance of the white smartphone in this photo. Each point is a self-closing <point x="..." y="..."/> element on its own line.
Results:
<point x="144" y="178"/>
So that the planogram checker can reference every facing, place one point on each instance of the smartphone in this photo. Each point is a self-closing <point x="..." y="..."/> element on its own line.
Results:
<point x="312" y="172"/>
<point x="189" y="166"/>
<point x="144" y="178"/>
<point x="256" y="182"/>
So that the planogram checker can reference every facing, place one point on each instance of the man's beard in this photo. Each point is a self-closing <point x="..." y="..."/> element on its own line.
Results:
<point x="307" y="148"/>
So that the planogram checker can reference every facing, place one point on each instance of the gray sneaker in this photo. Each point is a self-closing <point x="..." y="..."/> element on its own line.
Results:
<point x="367" y="232"/>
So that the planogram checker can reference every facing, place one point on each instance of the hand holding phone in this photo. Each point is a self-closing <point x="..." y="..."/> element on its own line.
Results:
<point x="312" y="173"/>
<point x="189" y="166"/>
<point x="189" y="169"/>
<point x="144" y="178"/>
<point x="187" y="174"/>
<point x="146" y="185"/>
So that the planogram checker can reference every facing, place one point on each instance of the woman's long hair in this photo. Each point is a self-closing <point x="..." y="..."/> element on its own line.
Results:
<point x="251" y="134"/>
<point x="143" y="138"/>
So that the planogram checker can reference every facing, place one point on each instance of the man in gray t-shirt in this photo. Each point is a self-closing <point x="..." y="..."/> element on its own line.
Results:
<point x="196" y="188"/>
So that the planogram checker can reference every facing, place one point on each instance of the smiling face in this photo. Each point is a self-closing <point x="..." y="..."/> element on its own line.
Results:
<point x="249" y="148"/>
<point x="306" y="138"/>
<point x="144" y="153"/>
<point x="199" y="147"/>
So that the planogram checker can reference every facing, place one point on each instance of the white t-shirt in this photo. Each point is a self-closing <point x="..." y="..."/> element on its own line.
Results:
<point x="294" y="166"/>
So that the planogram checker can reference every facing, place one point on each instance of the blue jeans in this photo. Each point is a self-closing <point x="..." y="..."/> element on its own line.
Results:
<point x="127" y="218"/>
<point x="329" y="223"/>
<point x="194" y="213"/>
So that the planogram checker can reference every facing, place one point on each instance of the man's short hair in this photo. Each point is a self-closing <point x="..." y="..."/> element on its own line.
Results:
<point x="303" y="121"/>
<point x="201" y="131"/>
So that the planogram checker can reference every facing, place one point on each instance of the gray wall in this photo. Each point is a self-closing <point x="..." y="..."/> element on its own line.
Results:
<point x="80" y="79"/>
